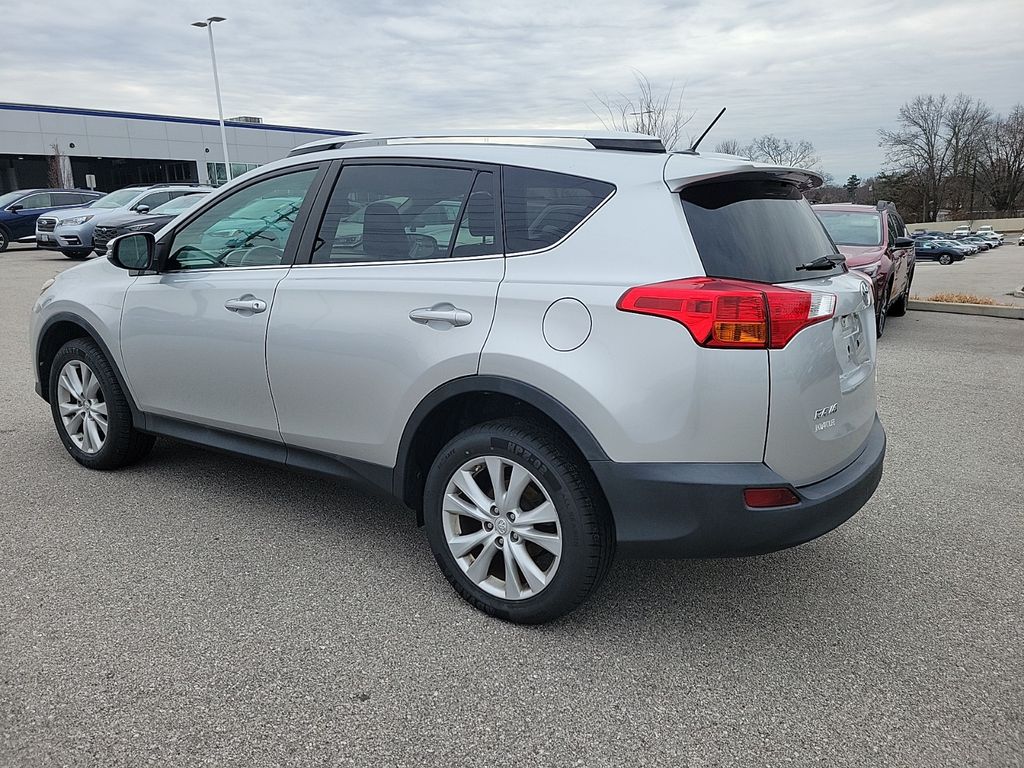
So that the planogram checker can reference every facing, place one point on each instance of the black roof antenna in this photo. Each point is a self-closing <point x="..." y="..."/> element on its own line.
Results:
<point x="693" y="147"/>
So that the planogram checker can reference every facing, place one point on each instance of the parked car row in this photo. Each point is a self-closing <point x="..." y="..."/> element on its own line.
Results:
<point x="985" y="236"/>
<point x="72" y="231"/>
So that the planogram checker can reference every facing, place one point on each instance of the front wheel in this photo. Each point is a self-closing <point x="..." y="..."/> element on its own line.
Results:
<point x="945" y="259"/>
<point x="90" y="410"/>
<point x="5" y="240"/>
<point x="882" y="311"/>
<point x="516" y="521"/>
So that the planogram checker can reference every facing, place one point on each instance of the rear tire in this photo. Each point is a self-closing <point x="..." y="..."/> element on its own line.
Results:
<point x="535" y="547"/>
<point x="899" y="307"/>
<point x="91" y="411"/>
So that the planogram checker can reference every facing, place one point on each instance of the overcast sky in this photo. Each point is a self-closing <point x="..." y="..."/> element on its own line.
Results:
<point x="833" y="73"/>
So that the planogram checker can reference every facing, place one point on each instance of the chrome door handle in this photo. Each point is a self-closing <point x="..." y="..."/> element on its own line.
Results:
<point x="246" y="305"/>
<point x="441" y="313"/>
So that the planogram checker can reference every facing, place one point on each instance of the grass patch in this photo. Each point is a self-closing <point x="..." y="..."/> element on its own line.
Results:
<point x="962" y="298"/>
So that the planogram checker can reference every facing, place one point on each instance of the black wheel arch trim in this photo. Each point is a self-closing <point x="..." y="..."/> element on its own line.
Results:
<point x="42" y="385"/>
<point x="527" y="393"/>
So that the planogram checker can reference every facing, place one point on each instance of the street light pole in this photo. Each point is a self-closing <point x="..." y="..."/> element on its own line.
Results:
<point x="216" y="86"/>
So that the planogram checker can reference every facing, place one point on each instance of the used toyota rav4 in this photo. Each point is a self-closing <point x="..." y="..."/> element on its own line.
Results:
<point x="604" y="347"/>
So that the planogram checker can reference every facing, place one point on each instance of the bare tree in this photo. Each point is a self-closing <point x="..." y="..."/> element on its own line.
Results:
<point x="781" y="151"/>
<point x="965" y="123"/>
<point x="647" y="111"/>
<point x="1003" y="161"/>
<point x="936" y="145"/>
<point x="917" y="148"/>
<point x="54" y="171"/>
<point x="730" y="147"/>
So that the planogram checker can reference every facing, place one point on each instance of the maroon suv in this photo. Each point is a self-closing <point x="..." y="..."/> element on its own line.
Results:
<point x="874" y="241"/>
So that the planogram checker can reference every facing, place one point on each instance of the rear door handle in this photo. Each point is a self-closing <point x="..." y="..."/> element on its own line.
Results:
<point x="246" y="305"/>
<point x="443" y="313"/>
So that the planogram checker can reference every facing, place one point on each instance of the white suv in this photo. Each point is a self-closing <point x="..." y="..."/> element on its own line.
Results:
<point x="552" y="347"/>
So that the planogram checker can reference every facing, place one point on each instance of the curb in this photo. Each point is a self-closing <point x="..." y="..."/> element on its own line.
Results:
<point x="988" y="310"/>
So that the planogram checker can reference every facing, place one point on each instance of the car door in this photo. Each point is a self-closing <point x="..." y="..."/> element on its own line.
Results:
<point x="193" y="335"/>
<point x="23" y="221"/>
<point x="391" y="303"/>
<point x="898" y="256"/>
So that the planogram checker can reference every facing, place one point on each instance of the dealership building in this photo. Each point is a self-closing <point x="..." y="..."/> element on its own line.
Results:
<point x="43" y="146"/>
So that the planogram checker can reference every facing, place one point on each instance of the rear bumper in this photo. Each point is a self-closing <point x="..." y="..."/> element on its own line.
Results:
<point x="697" y="510"/>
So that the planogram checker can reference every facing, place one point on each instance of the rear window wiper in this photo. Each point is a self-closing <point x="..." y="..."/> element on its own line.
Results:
<point x="823" y="262"/>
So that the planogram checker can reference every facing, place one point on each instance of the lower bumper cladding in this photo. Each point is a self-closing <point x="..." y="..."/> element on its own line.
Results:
<point x="665" y="510"/>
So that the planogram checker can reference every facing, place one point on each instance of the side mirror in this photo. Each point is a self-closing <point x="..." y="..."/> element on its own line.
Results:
<point x="903" y="242"/>
<point x="133" y="251"/>
<point x="16" y="207"/>
<point x="142" y="208"/>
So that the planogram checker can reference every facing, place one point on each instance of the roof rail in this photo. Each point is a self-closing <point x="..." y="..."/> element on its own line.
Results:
<point x="172" y="184"/>
<point x="623" y="142"/>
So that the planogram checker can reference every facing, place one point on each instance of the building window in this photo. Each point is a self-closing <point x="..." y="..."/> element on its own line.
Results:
<point x="217" y="176"/>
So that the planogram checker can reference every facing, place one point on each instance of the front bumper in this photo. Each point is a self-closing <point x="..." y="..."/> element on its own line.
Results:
<point x="664" y="510"/>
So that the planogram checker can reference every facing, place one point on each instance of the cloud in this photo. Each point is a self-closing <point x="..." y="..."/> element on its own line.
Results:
<point x="830" y="73"/>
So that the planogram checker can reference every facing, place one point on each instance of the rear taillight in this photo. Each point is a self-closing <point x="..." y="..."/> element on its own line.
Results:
<point x="731" y="314"/>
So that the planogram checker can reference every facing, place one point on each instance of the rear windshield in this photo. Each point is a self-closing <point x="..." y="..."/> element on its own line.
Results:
<point x="757" y="230"/>
<point x="849" y="228"/>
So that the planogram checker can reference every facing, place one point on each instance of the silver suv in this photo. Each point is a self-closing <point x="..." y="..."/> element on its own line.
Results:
<point x="551" y="346"/>
<point x="70" y="231"/>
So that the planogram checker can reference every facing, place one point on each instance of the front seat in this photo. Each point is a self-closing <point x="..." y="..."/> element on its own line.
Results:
<point x="480" y="218"/>
<point x="384" y="235"/>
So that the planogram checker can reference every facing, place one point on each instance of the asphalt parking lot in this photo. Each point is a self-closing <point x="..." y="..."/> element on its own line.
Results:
<point x="204" y="610"/>
<point x="996" y="274"/>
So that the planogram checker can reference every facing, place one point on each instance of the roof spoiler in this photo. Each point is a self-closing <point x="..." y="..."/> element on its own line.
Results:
<point x="680" y="172"/>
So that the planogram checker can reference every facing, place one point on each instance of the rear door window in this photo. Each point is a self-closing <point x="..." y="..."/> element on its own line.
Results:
<point x="393" y="212"/>
<point x="759" y="230"/>
<point x="38" y="200"/>
<point x="543" y="207"/>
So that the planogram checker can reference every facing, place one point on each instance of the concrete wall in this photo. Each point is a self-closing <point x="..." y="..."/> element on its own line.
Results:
<point x="1004" y="226"/>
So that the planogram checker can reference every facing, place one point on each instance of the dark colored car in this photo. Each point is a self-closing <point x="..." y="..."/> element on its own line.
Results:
<point x="20" y="209"/>
<point x="874" y="241"/>
<point x="937" y="251"/>
<point x="141" y="221"/>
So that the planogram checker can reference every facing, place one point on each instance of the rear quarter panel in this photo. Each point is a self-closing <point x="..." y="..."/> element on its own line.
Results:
<point x="640" y="384"/>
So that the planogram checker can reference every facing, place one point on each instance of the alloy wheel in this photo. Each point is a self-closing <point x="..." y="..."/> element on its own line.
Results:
<point x="82" y="407"/>
<point x="502" y="527"/>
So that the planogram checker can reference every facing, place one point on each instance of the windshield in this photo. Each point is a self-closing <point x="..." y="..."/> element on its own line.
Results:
<point x="178" y="204"/>
<point x="848" y="228"/>
<point x="757" y="230"/>
<point x="10" y="197"/>
<point x="117" y="199"/>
